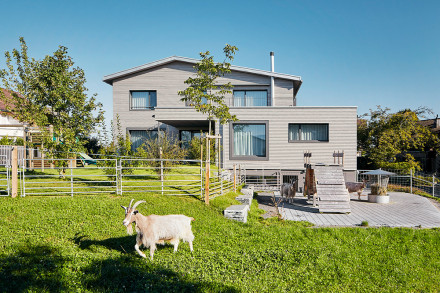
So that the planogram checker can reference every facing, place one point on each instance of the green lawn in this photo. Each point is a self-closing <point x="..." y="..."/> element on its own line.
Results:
<point x="53" y="244"/>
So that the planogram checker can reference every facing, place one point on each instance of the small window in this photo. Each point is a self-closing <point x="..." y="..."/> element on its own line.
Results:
<point x="138" y="137"/>
<point x="143" y="100"/>
<point x="308" y="132"/>
<point x="250" y="99"/>
<point x="249" y="141"/>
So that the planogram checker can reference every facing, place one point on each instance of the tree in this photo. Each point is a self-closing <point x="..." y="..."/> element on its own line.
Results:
<point x="51" y="92"/>
<point x="203" y="93"/>
<point x="386" y="138"/>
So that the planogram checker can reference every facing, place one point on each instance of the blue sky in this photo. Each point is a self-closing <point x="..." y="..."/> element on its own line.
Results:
<point x="348" y="53"/>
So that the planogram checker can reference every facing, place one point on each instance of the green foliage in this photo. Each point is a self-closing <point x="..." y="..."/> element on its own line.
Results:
<point x="364" y="224"/>
<point x="165" y="146"/>
<point x="194" y="149"/>
<point x="386" y="138"/>
<point x="203" y="93"/>
<point x="51" y="92"/>
<point x="119" y="146"/>
<point x="78" y="244"/>
<point x="5" y="140"/>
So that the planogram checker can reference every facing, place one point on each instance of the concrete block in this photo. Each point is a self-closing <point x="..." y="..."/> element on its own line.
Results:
<point x="245" y="199"/>
<point x="237" y="213"/>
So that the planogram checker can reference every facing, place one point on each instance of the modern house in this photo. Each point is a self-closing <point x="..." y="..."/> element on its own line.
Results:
<point x="272" y="134"/>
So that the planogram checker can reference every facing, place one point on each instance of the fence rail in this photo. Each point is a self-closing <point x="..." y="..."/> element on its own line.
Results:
<point x="412" y="180"/>
<point x="120" y="176"/>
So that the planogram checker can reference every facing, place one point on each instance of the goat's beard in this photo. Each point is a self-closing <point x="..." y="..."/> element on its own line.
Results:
<point x="130" y="229"/>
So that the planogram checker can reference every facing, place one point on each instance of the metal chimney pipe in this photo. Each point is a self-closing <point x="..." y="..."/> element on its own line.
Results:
<point x="272" y="81"/>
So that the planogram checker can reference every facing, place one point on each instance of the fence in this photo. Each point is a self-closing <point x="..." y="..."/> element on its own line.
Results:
<point x="411" y="181"/>
<point x="5" y="175"/>
<point x="124" y="175"/>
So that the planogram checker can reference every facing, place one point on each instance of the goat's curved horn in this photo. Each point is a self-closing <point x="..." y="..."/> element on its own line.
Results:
<point x="129" y="206"/>
<point x="123" y="207"/>
<point x="137" y="203"/>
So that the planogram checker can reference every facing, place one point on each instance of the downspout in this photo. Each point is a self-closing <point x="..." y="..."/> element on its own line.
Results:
<point x="272" y="82"/>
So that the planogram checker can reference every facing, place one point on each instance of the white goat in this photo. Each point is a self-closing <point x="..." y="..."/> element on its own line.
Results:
<point x="357" y="187"/>
<point x="153" y="229"/>
<point x="288" y="190"/>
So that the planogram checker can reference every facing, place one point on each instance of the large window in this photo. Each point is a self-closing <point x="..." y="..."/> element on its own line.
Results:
<point x="250" y="99"/>
<point x="138" y="137"/>
<point x="308" y="132"/>
<point x="143" y="100"/>
<point x="187" y="135"/>
<point x="249" y="140"/>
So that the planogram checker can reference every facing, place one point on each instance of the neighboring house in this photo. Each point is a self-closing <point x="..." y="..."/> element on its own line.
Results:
<point x="9" y="126"/>
<point x="272" y="133"/>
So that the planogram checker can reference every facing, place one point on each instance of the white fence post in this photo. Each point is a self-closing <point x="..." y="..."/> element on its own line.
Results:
<point x="161" y="175"/>
<point x="433" y="185"/>
<point x="411" y="181"/>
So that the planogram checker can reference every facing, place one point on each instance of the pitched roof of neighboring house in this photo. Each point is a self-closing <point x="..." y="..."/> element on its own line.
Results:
<point x="2" y="103"/>
<point x="109" y="78"/>
<point x="433" y="124"/>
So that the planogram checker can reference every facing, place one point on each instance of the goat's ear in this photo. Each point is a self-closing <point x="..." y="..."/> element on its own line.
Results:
<point x="123" y="207"/>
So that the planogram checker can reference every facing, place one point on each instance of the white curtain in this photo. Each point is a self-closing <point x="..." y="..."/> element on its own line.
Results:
<point x="314" y="132"/>
<point x="250" y="140"/>
<point x="250" y="98"/>
<point x="317" y="132"/>
<point x="143" y="100"/>
<point x="138" y="137"/>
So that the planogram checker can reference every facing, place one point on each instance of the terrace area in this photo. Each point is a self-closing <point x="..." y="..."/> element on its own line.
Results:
<point x="404" y="210"/>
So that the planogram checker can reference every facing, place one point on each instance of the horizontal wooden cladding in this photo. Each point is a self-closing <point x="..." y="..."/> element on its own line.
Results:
<point x="290" y="155"/>
<point x="168" y="79"/>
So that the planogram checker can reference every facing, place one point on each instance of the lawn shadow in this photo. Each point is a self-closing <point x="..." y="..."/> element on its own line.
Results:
<point x="130" y="274"/>
<point x="42" y="268"/>
<point x="32" y="268"/>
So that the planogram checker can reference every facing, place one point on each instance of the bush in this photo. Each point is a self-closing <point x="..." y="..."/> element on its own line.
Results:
<point x="194" y="149"/>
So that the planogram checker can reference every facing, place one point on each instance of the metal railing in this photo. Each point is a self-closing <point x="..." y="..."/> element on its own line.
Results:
<point x="411" y="181"/>
<point x="5" y="176"/>
<point x="123" y="175"/>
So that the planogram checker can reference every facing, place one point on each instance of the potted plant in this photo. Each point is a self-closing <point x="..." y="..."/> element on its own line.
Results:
<point x="378" y="194"/>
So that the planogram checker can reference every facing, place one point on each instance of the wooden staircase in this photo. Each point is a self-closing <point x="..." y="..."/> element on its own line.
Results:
<point x="332" y="194"/>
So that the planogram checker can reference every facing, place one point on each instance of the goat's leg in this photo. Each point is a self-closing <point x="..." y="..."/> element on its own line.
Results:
<point x="152" y="249"/>
<point x="175" y="242"/>
<point x="138" y="243"/>
<point x="359" y="195"/>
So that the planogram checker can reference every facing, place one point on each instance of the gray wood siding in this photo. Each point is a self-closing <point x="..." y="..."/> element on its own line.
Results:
<point x="289" y="155"/>
<point x="168" y="79"/>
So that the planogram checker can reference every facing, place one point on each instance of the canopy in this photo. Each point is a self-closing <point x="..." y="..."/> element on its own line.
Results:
<point x="379" y="172"/>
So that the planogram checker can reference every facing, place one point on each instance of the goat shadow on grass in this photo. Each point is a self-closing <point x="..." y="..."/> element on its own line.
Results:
<point x="115" y="243"/>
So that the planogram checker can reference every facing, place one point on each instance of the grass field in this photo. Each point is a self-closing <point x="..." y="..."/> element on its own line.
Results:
<point x="78" y="244"/>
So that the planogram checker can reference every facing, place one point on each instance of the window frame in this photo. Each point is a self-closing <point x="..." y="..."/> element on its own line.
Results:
<point x="149" y="99"/>
<point x="306" y="141"/>
<point x="250" y="90"/>
<point x="231" y="141"/>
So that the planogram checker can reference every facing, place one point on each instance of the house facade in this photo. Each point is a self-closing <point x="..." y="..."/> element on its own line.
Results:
<point x="272" y="133"/>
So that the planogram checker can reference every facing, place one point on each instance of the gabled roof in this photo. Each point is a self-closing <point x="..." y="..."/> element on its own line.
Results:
<point x="109" y="78"/>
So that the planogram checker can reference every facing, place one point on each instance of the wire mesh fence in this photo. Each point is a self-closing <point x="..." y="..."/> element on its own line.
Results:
<point x="405" y="181"/>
